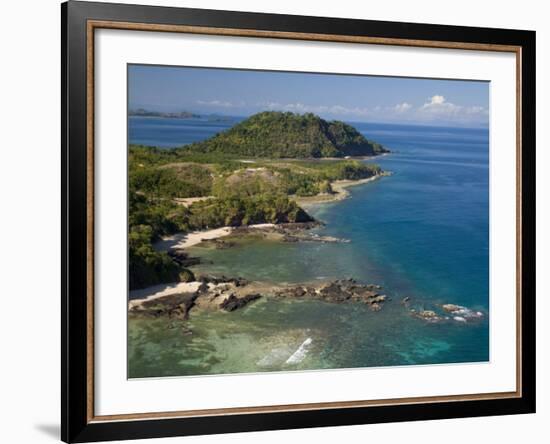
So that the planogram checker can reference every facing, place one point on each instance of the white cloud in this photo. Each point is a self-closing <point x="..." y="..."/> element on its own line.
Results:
<point x="476" y="110"/>
<point x="438" y="108"/>
<point x="402" y="107"/>
<point x="439" y="105"/>
<point x="435" y="109"/>
<point x="298" y="107"/>
<point x="437" y="100"/>
<point x="219" y="103"/>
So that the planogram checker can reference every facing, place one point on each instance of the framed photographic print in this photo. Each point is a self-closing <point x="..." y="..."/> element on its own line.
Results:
<point x="276" y="221"/>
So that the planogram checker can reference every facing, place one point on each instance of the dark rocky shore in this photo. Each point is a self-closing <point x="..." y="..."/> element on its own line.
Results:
<point x="338" y="291"/>
<point x="230" y="294"/>
<point x="285" y="232"/>
<point x="222" y="293"/>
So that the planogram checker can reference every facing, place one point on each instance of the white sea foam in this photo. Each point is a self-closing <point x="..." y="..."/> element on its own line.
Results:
<point x="274" y="357"/>
<point x="300" y="354"/>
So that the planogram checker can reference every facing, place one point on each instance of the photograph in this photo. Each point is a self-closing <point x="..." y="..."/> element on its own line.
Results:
<point x="285" y="221"/>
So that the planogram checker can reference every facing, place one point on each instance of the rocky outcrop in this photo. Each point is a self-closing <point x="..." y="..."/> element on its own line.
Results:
<point x="307" y="237"/>
<point x="219" y="244"/>
<point x="234" y="293"/>
<point x="338" y="291"/>
<point x="172" y="306"/>
<point x="426" y="315"/>
<point x="238" y="281"/>
<point x="230" y="294"/>
<point x="300" y="233"/>
<point x="233" y="302"/>
<point x="462" y="314"/>
<point x="182" y="258"/>
<point x="447" y="313"/>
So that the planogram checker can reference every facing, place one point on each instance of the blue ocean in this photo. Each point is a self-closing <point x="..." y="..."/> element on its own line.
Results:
<point x="421" y="232"/>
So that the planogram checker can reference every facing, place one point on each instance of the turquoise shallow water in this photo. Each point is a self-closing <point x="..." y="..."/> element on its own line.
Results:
<point x="422" y="232"/>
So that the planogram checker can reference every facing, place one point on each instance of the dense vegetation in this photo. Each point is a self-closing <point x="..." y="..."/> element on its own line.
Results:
<point x="275" y="134"/>
<point x="162" y="173"/>
<point x="300" y="178"/>
<point x="237" y="191"/>
<point x="147" y="266"/>
<point x="239" y="210"/>
<point x="150" y="218"/>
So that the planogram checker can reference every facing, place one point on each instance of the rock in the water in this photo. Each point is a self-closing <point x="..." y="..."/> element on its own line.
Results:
<point x="220" y="244"/>
<point x="183" y="258"/>
<point x="233" y="302"/>
<point x="338" y="291"/>
<point x="427" y="315"/>
<point x="448" y="312"/>
<point x="334" y="292"/>
<point x="238" y="281"/>
<point x="376" y="307"/>
<point x="451" y="308"/>
<point x="462" y="312"/>
<point x="376" y="299"/>
<point x="174" y="306"/>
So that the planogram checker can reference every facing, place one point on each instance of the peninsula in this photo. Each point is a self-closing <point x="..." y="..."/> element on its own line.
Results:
<point x="255" y="179"/>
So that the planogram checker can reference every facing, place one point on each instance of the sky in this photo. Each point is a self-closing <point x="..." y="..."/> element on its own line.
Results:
<point x="352" y="98"/>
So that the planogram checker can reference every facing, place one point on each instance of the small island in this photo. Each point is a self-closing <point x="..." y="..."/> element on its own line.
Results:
<point x="141" y="112"/>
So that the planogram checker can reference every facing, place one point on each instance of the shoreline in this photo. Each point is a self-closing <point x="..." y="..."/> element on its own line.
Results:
<point x="340" y="192"/>
<point x="230" y="294"/>
<point x="221" y="293"/>
<point x="181" y="241"/>
<point x="160" y="290"/>
<point x="177" y="300"/>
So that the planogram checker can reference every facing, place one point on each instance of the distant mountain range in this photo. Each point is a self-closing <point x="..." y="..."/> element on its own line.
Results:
<point x="141" y="112"/>
<point x="176" y="115"/>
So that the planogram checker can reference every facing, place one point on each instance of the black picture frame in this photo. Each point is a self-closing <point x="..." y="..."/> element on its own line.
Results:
<point x="76" y="328"/>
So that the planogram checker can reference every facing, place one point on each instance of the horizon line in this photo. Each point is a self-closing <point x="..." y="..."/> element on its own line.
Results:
<point x="441" y="124"/>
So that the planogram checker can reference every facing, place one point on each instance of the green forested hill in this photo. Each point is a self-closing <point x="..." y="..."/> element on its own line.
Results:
<point x="287" y="135"/>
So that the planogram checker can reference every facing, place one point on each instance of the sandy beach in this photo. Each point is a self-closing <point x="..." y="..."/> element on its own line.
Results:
<point x="180" y="241"/>
<point x="161" y="290"/>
